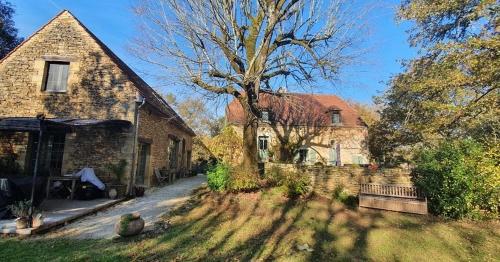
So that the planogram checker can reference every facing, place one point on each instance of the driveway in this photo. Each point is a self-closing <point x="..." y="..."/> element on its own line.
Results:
<point x="152" y="206"/>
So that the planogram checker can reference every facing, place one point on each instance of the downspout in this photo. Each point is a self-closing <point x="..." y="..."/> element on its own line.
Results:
<point x="134" y="149"/>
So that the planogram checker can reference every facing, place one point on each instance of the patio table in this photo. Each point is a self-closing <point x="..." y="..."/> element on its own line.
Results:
<point x="72" y="179"/>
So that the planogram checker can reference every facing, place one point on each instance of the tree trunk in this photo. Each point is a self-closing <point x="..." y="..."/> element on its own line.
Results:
<point x="250" y="160"/>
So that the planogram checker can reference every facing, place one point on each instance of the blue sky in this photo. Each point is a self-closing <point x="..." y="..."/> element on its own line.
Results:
<point x="114" y="23"/>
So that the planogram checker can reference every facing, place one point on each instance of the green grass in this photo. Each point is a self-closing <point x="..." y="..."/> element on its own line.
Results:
<point x="267" y="226"/>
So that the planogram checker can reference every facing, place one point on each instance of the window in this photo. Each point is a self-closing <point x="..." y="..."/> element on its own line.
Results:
<point x="302" y="155"/>
<point x="263" y="148"/>
<point x="336" y="117"/>
<point x="263" y="142"/>
<point x="173" y="151"/>
<point x="51" y="154"/>
<point x="358" y="159"/>
<point x="189" y="154"/>
<point x="56" y="76"/>
<point x="265" y="116"/>
<point x="56" y="147"/>
<point x="183" y="155"/>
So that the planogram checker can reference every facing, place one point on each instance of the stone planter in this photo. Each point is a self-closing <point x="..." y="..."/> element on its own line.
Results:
<point x="22" y="223"/>
<point x="115" y="191"/>
<point x="129" y="225"/>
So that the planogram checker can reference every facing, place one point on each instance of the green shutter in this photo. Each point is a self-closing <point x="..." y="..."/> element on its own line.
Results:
<point x="311" y="156"/>
<point x="332" y="156"/>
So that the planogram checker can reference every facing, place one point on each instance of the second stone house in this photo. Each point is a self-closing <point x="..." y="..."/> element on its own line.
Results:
<point x="309" y="129"/>
<point x="98" y="113"/>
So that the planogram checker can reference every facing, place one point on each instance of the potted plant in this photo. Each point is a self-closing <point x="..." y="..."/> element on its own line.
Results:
<point x="21" y="210"/>
<point x="37" y="220"/>
<point x="116" y="188"/>
<point x="271" y="156"/>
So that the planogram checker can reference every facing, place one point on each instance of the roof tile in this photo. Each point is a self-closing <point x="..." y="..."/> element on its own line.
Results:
<point x="300" y="109"/>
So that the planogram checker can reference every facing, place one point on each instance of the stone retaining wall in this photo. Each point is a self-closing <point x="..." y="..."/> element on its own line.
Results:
<point x="325" y="179"/>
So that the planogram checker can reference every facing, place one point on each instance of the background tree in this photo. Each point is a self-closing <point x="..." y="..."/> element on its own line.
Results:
<point x="196" y="114"/>
<point x="368" y="112"/>
<point x="296" y="121"/>
<point x="208" y="145"/>
<point x="8" y="33"/>
<point x="452" y="89"/>
<point x="242" y="48"/>
<point x="226" y="147"/>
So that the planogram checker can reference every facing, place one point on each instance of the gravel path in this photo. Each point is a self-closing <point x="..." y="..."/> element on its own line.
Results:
<point x="151" y="207"/>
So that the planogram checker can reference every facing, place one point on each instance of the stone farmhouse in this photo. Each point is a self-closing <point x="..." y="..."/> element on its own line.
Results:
<point x="306" y="128"/>
<point x="97" y="111"/>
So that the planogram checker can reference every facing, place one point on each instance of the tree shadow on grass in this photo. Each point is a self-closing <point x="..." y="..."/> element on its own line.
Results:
<point x="266" y="227"/>
<point x="272" y="230"/>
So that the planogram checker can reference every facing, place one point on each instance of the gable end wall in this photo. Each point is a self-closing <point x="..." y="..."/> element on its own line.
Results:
<point x="97" y="89"/>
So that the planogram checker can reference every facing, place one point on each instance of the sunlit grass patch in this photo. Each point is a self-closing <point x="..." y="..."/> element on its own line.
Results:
<point x="267" y="226"/>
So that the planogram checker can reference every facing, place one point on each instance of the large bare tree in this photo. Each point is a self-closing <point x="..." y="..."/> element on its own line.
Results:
<point x="243" y="48"/>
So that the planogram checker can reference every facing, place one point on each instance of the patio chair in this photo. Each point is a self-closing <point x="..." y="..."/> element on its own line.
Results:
<point x="160" y="177"/>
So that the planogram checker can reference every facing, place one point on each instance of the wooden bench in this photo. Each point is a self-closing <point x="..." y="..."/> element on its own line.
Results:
<point x="401" y="198"/>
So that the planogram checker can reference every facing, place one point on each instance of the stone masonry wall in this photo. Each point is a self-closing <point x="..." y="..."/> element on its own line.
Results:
<point x="96" y="88"/>
<point x="158" y="130"/>
<point x="97" y="147"/>
<point x="351" y="140"/>
<point x="13" y="146"/>
<point x="325" y="179"/>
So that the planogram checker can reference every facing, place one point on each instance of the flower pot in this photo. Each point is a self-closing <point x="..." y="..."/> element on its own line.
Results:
<point x="129" y="225"/>
<point x="139" y="191"/>
<point x="22" y="223"/>
<point x="37" y="221"/>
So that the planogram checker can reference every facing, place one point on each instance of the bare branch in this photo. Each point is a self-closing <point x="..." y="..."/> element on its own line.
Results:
<point x="236" y="46"/>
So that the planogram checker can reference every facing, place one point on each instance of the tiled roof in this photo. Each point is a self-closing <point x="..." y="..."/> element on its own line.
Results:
<point x="151" y="96"/>
<point x="300" y="109"/>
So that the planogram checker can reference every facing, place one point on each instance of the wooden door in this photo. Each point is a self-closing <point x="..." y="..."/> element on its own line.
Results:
<point x="142" y="163"/>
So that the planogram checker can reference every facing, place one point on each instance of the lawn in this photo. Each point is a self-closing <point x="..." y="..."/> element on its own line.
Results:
<point x="267" y="226"/>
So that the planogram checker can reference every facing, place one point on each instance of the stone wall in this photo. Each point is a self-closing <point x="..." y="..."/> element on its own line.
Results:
<point x="352" y="141"/>
<point x="158" y="130"/>
<point x="97" y="147"/>
<point x="13" y="150"/>
<point x="97" y="88"/>
<point x="325" y="179"/>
